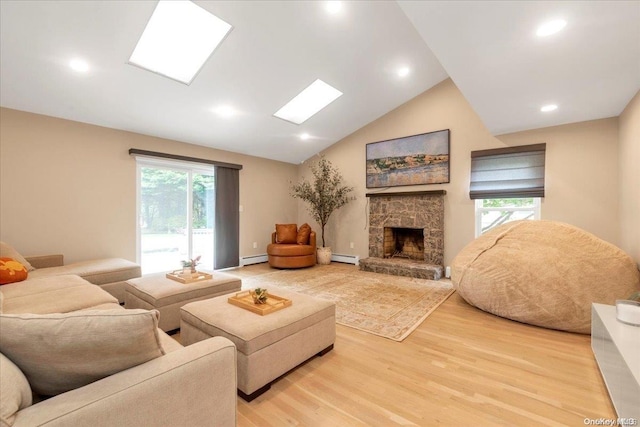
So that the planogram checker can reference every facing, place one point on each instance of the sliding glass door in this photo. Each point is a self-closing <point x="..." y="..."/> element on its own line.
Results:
<point x="176" y="206"/>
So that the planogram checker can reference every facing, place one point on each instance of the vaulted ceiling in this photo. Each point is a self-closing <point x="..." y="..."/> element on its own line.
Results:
<point x="590" y="70"/>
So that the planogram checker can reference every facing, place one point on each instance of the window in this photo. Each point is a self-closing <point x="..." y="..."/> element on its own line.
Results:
<point x="491" y="213"/>
<point x="507" y="184"/>
<point x="176" y="215"/>
<point x="187" y="207"/>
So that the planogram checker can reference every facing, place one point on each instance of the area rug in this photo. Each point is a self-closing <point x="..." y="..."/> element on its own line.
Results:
<point x="388" y="306"/>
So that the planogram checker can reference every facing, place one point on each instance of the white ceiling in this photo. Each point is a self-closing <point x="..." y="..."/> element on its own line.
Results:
<point x="277" y="48"/>
<point x="591" y="69"/>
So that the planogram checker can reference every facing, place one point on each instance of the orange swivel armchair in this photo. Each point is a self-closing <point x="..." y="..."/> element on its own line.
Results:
<point x="292" y="247"/>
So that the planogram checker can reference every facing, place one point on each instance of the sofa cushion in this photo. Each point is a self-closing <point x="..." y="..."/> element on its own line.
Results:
<point x="303" y="234"/>
<point x="286" y="233"/>
<point x="98" y="272"/>
<point x="8" y="251"/>
<point x="57" y="294"/>
<point x="15" y="393"/>
<point x="61" y="352"/>
<point x="11" y="271"/>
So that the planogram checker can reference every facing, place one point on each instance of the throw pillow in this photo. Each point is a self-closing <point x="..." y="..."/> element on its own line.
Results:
<point x="61" y="352"/>
<point x="14" y="391"/>
<point x="8" y="251"/>
<point x="11" y="271"/>
<point x="303" y="234"/>
<point x="286" y="233"/>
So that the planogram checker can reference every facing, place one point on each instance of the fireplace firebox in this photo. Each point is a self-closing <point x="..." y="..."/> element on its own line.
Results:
<point x="400" y="242"/>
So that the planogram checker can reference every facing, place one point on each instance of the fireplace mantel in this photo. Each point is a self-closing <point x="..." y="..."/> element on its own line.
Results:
<point x="409" y="193"/>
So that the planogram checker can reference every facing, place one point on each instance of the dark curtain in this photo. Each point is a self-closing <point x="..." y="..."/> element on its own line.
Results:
<point x="227" y="223"/>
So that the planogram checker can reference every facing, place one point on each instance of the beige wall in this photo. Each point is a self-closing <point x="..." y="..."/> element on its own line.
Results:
<point x="68" y="187"/>
<point x="581" y="169"/>
<point x="581" y="178"/>
<point x="629" y="178"/>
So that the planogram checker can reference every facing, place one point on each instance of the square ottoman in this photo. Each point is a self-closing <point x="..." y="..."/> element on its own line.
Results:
<point x="267" y="346"/>
<point x="156" y="291"/>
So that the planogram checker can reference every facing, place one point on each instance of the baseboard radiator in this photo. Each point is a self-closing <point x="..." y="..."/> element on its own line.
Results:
<point x="347" y="259"/>
<point x="253" y="259"/>
<point x="257" y="259"/>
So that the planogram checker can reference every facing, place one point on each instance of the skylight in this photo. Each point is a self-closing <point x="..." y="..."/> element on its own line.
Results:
<point x="308" y="102"/>
<point x="178" y="39"/>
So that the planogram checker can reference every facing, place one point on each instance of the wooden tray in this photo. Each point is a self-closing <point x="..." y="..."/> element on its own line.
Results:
<point x="274" y="303"/>
<point x="198" y="276"/>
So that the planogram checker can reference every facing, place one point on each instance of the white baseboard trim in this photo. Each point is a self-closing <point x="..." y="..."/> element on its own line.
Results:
<point x="253" y="259"/>
<point x="347" y="259"/>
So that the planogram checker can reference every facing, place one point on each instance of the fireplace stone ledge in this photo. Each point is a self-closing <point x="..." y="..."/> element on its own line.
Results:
<point x="402" y="267"/>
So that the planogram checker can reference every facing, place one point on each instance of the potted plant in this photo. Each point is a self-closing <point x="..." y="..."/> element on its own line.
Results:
<point x="189" y="266"/>
<point x="324" y="195"/>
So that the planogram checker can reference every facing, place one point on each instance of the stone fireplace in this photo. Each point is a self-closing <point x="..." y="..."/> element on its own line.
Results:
<point x="406" y="234"/>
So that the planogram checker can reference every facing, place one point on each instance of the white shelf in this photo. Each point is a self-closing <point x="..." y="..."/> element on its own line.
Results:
<point x="616" y="346"/>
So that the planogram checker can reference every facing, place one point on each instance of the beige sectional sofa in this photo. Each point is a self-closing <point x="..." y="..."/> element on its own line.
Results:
<point x="194" y="385"/>
<point x="109" y="273"/>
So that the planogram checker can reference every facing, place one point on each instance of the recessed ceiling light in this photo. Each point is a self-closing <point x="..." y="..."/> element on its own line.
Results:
<point x="404" y="71"/>
<point x="308" y="102"/>
<point x="79" y="65"/>
<point x="548" y="108"/>
<point x="304" y="136"/>
<point x="334" y="6"/>
<point x="551" y="27"/>
<point x="178" y="39"/>
<point x="225" y="111"/>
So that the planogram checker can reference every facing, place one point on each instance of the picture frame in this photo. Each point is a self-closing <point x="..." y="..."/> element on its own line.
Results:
<point x="411" y="160"/>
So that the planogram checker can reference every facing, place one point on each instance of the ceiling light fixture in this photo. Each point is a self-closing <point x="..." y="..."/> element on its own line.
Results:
<point x="304" y="136"/>
<point x="551" y="27"/>
<point x="550" y="107"/>
<point x="225" y="111"/>
<point x="403" y="71"/>
<point x="308" y="102"/>
<point x="180" y="36"/>
<point x="79" y="65"/>
<point x="334" y="6"/>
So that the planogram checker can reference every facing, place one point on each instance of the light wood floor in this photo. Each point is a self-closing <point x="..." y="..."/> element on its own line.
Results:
<point x="460" y="367"/>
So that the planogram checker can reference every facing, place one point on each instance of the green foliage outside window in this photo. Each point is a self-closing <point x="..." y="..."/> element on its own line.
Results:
<point x="506" y="215"/>
<point x="164" y="200"/>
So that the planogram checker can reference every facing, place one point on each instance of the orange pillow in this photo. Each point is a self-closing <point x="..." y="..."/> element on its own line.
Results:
<point x="286" y="233"/>
<point x="303" y="234"/>
<point x="11" y="271"/>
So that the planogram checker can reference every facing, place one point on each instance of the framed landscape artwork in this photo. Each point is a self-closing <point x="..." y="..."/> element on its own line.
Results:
<point x="412" y="160"/>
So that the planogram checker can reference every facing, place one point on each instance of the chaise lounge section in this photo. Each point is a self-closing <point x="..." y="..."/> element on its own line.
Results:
<point x="110" y="274"/>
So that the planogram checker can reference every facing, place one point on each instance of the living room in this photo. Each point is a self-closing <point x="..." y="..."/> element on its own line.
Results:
<point x="68" y="185"/>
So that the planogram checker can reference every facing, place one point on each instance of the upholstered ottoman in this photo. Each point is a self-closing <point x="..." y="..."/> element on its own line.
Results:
<point x="156" y="291"/>
<point x="268" y="346"/>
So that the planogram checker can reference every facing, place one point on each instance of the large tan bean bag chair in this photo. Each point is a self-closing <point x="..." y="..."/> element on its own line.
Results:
<point x="543" y="273"/>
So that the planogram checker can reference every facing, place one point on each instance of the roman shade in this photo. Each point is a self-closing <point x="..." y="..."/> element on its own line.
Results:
<point x="510" y="172"/>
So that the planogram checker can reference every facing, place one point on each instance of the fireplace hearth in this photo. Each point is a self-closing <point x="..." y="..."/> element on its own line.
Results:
<point x="406" y="234"/>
